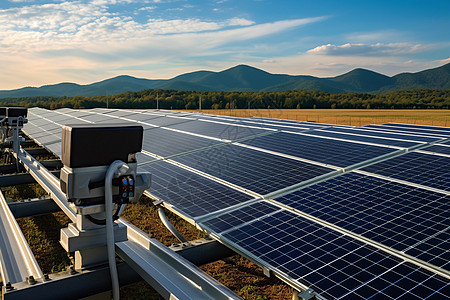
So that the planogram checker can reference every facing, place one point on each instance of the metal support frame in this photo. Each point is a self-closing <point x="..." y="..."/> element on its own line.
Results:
<point x="171" y="275"/>
<point x="202" y="251"/>
<point x="71" y="285"/>
<point x="33" y="207"/>
<point x="166" y="271"/>
<point x="17" y="262"/>
<point x="23" y="178"/>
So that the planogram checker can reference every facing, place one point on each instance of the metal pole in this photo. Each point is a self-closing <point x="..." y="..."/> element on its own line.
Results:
<point x="157" y="101"/>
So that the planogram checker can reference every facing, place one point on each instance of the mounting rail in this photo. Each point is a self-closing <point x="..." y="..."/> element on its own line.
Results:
<point x="170" y="274"/>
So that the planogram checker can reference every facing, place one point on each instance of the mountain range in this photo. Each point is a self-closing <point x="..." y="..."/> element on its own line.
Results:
<point x="247" y="78"/>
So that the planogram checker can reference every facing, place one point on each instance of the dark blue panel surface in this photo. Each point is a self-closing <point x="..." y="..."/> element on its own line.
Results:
<point x="166" y="121"/>
<point x="254" y="170"/>
<point x="417" y="131"/>
<point x="190" y="193"/>
<point x="425" y="169"/>
<point x="165" y="142"/>
<point x="366" y="139"/>
<point x="380" y="133"/>
<point x="399" y="216"/>
<point x="416" y="126"/>
<point x="438" y="149"/>
<point x="330" y="263"/>
<point x="327" y="151"/>
<point x="241" y="216"/>
<point x="217" y="130"/>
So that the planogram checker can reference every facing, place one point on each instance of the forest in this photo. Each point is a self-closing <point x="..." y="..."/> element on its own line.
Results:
<point x="296" y="99"/>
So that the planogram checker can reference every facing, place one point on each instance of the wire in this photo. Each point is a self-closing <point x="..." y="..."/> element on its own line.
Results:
<point x="112" y="170"/>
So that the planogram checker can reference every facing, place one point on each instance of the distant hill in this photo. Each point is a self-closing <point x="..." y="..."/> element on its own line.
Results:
<point x="247" y="78"/>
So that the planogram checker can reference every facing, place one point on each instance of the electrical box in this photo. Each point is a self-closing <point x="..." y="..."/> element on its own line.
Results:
<point x="15" y="112"/>
<point x="89" y="145"/>
<point x="87" y="152"/>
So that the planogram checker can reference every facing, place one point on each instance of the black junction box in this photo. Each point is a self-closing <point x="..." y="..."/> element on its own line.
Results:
<point x="88" y="145"/>
<point x="12" y="112"/>
<point x="2" y="112"/>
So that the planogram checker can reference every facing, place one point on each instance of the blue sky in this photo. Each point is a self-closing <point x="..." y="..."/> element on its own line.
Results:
<point x="83" y="41"/>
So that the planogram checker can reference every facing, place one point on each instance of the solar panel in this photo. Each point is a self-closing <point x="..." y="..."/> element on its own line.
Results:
<point x="408" y="218"/>
<point x="332" y="264"/>
<point x="366" y="139"/>
<point x="327" y="151"/>
<point x="427" y="127"/>
<point x="217" y="130"/>
<point x="445" y="142"/>
<point x="293" y="127"/>
<point x="396" y="215"/>
<point x="417" y="131"/>
<point x="425" y="169"/>
<point x="438" y="149"/>
<point x="190" y="193"/>
<point x="166" y="121"/>
<point x="254" y="170"/>
<point x="374" y="132"/>
<point x="166" y="143"/>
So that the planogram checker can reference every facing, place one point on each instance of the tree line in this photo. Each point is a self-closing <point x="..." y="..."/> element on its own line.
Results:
<point x="296" y="99"/>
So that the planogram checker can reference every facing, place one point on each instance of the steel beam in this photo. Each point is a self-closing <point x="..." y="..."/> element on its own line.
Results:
<point x="202" y="251"/>
<point x="23" y="178"/>
<point x="16" y="259"/>
<point x="33" y="207"/>
<point x="171" y="275"/>
<point x="47" y="180"/>
<point x="66" y="285"/>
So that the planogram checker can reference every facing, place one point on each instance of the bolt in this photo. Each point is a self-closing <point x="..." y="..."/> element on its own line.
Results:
<point x="72" y="270"/>
<point x="8" y="286"/>
<point x="31" y="280"/>
<point x="46" y="277"/>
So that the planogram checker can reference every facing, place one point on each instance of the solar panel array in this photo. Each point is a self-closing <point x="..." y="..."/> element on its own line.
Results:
<point x="349" y="212"/>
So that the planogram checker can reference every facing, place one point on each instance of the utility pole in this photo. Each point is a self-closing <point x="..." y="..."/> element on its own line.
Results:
<point x="200" y="103"/>
<point x="157" y="101"/>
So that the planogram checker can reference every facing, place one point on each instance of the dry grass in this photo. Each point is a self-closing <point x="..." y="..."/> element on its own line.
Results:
<point x="353" y="117"/>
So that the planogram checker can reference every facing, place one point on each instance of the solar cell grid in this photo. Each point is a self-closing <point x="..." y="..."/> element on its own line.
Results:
<point x="438" y="149"/>
<point x="97" y="117"/>
<point x="332" y="264"/>
<point x="217" y="130"/>
<point x="425" y="169"/>
<point x="77" y="113"/>
<point x="328" y="151"/>
<point x="60" y="118"/>
<point x="254" y="170"/>
<point x="165" y="142"/>
<point x="374" y="132"/>
<point x="436" y="128"/>
<point x="241" y="216"/>
<point x="122" y="113"/>
<point x="55" y="148"/>
<point x="166" y="121"/>
<point x="142" y="117"/>
<point x="367" y="139"/>
<point x="393" y="214"/>
<point x="192" y="194"/>
<point x="417" y="131"/>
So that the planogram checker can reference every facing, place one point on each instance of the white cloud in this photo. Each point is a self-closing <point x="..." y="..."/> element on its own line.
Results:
<point x="84" y="41"/>
<point x="378" y="49"/>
